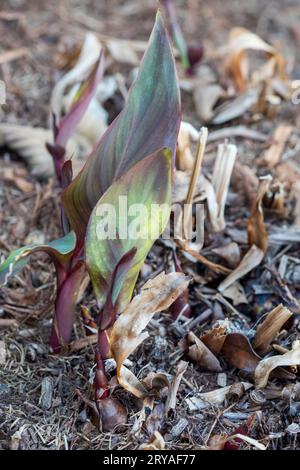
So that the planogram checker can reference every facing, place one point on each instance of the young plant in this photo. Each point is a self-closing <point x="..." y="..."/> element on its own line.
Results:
<point x="133" y="159"/>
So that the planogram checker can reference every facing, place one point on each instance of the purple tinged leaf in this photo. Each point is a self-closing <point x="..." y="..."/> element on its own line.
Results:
<point x="149" y="121"/>
<point x="67" y="125"/>
<point x="65" y="305"/>
<point x="107" y="315"/>
<point x="80" y="104"/>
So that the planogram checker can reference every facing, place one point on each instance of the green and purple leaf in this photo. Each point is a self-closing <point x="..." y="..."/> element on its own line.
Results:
<point x="147" y="183"/>
<point x="149" y="121"/>
<point x="68" y="124"/>
<point x="59" y="250"/>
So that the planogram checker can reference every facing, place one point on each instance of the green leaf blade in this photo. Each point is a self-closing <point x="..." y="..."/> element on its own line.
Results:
<point x="59" y="250"/>
<point x="147" y="183"/>
<point x="149" y="121"/>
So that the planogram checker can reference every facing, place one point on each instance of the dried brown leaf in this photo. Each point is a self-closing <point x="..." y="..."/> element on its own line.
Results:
<point x="128" y="331"/>
<point x="200" y="353"/>
<point x="214" y="338"/>
<point x="257" y="232"/>
<point x="242" y="40"/>
<point x="267" y="331"/>
<point x="239" y="353"/>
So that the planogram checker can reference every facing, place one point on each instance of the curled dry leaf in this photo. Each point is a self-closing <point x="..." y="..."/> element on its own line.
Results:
<point x="241" y="40"/>
<point x="265" y="366"/>
<point x="257" y="233"/>
<point x="236" y="293"/>
<point x="205" y="98"/>
<point x="88" y="57"/>
<point x="218" y="396"/>
<point x="230" y="253"/>
<point x="156" y="382"/>
<point x="173" y="388"/>
<point x="214" y="338"/>
<point x="156" y="443"/>
<point x="128" y="331"/>
<point x="252" y="258"/>
<point x="239" y="353"/>
<point x="29" y="143"/>
<point x="200" y="353"/>
<point x="267" y="331"/>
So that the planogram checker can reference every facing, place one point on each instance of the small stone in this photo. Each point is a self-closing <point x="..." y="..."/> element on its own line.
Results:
<point x="179" y="427"/>
<point x="46" y="394"/>
<point x="222" y="379"/>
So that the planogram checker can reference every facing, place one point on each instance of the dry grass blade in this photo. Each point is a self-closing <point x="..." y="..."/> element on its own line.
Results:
<point x="194" y="178"/>
<point x="218" y="268"/>
<point x="267" y="331"/>
<point x="220" y="180"/>
<point x="128" y="331"/>
<point x="252" y="258"/>
<point x="265" y="366"/>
